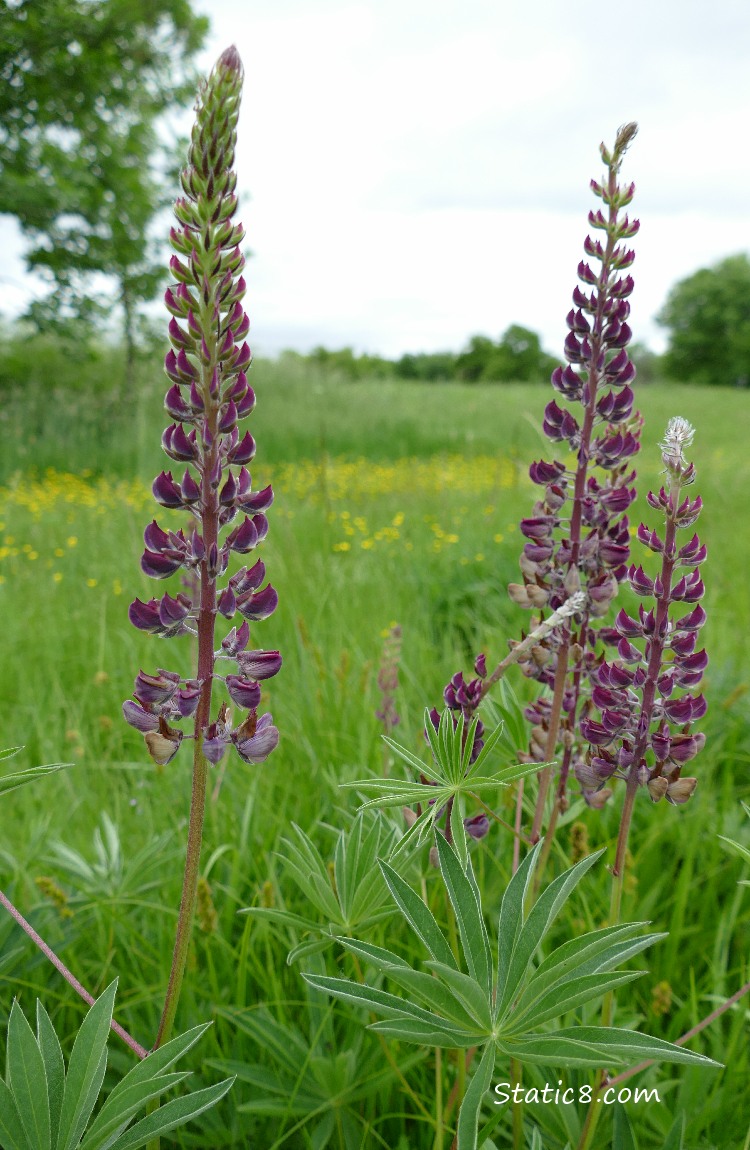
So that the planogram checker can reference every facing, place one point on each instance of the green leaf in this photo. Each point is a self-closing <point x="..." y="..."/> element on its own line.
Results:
<point x="458" y="832"/>
<point x="308" y="947"/>
<point x="282" y="1042"/>
<point x="12" y="782"/>
<point x="537" y="924"/>
<point x="468" y="912"/>
<point x="490" y="742"/>
<point x="565" y="996"/>
<point x="112" y="1121"/>
<point x="88" y="1062"/>
<point x="409" y="1030"/>
<point x="283" y="917"/>
<point x="741" y="850"/>
<point x="379" y="1001"/>
<point x="623" y="1136"/>
<point x="427" y="769"/>
<point x="12" y="1133"/>
<point x="511" y="917"/>
<point x="171" y="1115"/>
<point x="676" y="1136"/>
<point x="27" y="1079"/>
<point x="54" y="1066"/>
<point x="415" y="834"/>
<point x="468" y="991"/>
<point x="419" y="916"/>
<point x="600" y="1046"/>
<point x="595" y="951"/>
<point x="430" y="990"/>
<point x="303" y="861"/>
<point x="158" y="1061"/>
<point x="468" y="1115"/>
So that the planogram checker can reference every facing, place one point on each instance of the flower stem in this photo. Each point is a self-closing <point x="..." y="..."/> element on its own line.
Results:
<point x="187" y="901"/>
<point x="67" y="975"/>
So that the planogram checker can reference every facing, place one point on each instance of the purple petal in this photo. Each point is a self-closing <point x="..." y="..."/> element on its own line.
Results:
<point x="138" y="717"/>
<point x="260" y="745"/>
<point x="259" y="665"/>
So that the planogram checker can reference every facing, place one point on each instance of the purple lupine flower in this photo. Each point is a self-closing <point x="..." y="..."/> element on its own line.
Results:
<point x="646" y="698"/>
<point x="208" y="395"/>
<point x="577" y="534"/>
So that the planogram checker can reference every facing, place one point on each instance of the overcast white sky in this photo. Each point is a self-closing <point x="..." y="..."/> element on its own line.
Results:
<point x="416" y="171"/>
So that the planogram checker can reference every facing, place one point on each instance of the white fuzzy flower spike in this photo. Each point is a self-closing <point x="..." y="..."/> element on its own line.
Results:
<point x="679" y="435"/>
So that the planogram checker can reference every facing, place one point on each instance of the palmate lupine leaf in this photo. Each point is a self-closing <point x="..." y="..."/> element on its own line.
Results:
<point x="509" y="1014"/>
<point x="42" y="1108"/>
<point x="350" y="898"/>
<point x="450" y="779"/>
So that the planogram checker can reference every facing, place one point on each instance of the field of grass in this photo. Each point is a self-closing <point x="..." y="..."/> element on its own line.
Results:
<point x="395" y="503"/>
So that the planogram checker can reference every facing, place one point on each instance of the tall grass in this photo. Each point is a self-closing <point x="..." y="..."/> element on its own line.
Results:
<point x="395" y="502"/>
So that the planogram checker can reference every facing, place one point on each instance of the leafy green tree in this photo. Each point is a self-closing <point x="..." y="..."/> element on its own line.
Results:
<point x="518" y="356"/>
<point x="428" y="367"/>
<point x="84" y="85"/>
<point x="708" y="319"/>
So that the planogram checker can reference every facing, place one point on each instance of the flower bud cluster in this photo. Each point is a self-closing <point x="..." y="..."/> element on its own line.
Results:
<point x="577" y="537"/>
<point x="208" y="397"/>
<point x="646" y="697"/>
<point x="462" y="698"/>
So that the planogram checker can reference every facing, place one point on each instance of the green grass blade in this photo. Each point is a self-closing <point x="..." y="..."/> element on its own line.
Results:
<point x="623" y="1137"/>
<point x="676" y="1136"/>
<point x="27" y="1079"/>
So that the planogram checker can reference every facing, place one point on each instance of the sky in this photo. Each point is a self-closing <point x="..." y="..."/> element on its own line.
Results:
<point x="414" y="172"/>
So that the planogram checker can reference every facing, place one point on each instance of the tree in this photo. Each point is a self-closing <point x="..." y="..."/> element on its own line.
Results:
<point x="518" y="356"/>
<point x="708" y="319"/>
<point x="84" y="86"/>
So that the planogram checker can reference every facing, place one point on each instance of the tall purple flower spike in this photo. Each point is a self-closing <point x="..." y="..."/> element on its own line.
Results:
<point x="646" y="697"/>
<point x="208" y="397"/>
<point x="577" y="537"/>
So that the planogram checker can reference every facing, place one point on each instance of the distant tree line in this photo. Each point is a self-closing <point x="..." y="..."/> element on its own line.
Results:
<point x="517" y="356"/>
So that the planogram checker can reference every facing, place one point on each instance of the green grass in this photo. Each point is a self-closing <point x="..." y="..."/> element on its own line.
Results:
<point x="357" y="543"/>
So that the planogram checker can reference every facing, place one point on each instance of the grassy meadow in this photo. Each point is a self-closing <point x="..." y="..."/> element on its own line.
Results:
<point x="395" y="503"/>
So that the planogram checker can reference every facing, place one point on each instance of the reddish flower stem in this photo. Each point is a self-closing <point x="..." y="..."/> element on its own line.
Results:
<point x="70" y="978"/>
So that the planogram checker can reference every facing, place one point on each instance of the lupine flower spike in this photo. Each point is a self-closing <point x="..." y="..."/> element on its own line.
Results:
<point x="577" y="535"/>
<point x="208" y="397"/>
<point x="646" y="697"/>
